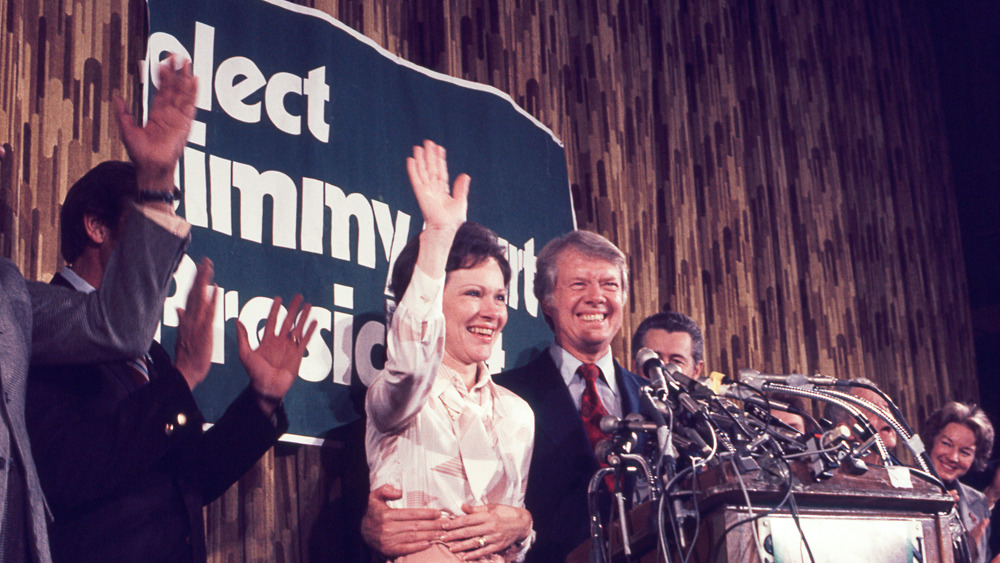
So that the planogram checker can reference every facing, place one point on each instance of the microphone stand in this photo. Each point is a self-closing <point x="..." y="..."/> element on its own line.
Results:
<point x="623" y="517"/>
<point x="598" y="553"/>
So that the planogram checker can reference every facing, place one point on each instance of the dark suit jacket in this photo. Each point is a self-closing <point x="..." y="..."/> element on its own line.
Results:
<point x="52" y="325"/>
<point x="126" y="468"/>
<point x="563" y="460"/>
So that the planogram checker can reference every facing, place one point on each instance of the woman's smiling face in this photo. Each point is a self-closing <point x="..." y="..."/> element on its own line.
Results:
<point x="954" y="451"/>
<point x="475" y="311"/>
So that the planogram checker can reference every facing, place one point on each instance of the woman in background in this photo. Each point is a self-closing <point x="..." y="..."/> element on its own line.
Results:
<point x="438" y="428"/>
<point x="961" y="437"/>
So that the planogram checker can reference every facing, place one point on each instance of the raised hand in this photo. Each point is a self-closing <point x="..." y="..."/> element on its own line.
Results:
<point x="274" y="364"/>
<point x="193" y="350"/>
<point x="442" y="208"/>
<point x="156" y="147"/>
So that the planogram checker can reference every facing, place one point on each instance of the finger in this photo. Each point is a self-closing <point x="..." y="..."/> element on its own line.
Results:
<point x="172" y="82"/>
<point x="272" y="317"/>
<point x="433" y="156"/>
<point x="308" y="335"/>
<point x="186" y="87"/>
<point x="468" y="524"/>
<point x="385" y="492"/>
<point x="301" y="318"/>
<point x="414" y="173"/>
<point x="465" y="533"/>
<point x="461" y="189"/>
<point x="420" y="158"/>
<point x="196" y="296"/>
<point x="242" y="340"/>
<point x="442" y="163"/>
<point x="190" y="110"/>
<point x="289" y="322"/>
<point x="480" y="553"/>
<point x="166" y="69"/>
<point x="474" y="549"/>
<point x="417" y="518"/>
<point x="213" y="304"/>
<point x="123" y="115"/>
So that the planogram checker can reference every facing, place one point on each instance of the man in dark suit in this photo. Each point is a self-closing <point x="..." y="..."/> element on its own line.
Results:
<point x="43" y="324"/>
<point x="582" y="285"/>
<point x="119" y="446"/>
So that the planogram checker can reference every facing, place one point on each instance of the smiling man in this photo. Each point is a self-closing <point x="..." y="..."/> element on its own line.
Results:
<point x="581" y="284"/>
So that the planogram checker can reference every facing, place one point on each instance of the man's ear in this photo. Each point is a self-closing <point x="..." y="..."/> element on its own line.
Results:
<point x="96" y="229"/>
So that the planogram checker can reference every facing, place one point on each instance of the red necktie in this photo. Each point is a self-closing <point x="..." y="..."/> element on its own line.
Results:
<point x="592" y="410"/>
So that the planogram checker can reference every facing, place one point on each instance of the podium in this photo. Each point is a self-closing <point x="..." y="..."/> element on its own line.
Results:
<point x="858" y="518"/>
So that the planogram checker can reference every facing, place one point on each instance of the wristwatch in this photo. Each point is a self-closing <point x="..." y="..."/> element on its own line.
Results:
<point x="145" y="196"/>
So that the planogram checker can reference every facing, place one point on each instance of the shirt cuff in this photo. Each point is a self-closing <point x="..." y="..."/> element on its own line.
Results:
<point x="424" y="294"/>
<point x="172" y="223"/>
<point x="519" y="549"/>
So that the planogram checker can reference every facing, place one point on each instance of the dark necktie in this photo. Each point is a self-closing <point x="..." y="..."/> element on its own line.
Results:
<point x="592" y="410"/>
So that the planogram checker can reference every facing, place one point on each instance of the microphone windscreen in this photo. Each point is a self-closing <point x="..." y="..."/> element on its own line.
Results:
<point x="609" y="424"/>
<point x="644" y="356"/>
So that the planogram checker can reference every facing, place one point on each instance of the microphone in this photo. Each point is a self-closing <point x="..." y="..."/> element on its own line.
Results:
<point x="757" y="379"/>
<point x="634" y="422"/>
<point x="652" y="367"/>
<point x="751" y="398"/>
<point x="668" y="376"/>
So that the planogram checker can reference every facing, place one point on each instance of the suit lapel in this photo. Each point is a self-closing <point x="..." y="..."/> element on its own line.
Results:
<point x="61" y="281"/>
<point x="558" y="422"/>
<point x="628" y="384"/>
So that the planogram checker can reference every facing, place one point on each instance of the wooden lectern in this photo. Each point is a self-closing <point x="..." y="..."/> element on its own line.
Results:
<point x="864" y="518"/>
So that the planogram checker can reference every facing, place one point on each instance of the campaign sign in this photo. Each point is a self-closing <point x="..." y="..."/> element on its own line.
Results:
<point x="294" y="181"/>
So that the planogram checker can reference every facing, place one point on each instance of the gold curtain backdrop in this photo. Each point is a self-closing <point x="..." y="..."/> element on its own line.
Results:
<point x="777" y="170"/>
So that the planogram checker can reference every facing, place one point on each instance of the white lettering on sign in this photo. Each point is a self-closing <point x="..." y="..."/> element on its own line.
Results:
<point x="237" y="79"/>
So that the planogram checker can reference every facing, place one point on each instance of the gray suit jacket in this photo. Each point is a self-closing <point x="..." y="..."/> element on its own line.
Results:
<point x="61" y="326"/>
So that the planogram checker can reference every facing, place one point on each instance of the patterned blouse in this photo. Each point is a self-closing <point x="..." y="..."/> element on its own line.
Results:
<point x="429" y="436"/>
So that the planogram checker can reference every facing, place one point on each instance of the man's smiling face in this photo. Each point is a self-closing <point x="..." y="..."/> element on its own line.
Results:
<point x="585" y="305"/>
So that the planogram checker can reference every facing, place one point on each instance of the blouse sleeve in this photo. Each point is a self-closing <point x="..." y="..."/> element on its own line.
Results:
<point x="415" y="347"/>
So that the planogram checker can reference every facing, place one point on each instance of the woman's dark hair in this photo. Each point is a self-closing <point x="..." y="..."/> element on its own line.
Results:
<point x="970" y="416"/>
<point x="473" y="244"/>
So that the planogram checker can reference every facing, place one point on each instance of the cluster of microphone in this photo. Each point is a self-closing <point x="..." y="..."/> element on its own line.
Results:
<point x="684" y="425"/>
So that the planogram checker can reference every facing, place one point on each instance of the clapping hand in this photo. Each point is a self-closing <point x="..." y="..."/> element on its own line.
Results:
<point x="193" y="350"/>
<point x="274" y="364"/>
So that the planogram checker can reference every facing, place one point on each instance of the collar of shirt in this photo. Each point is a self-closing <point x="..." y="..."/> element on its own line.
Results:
<point x="568" y="364"/>
<point x="76" y="281"/>
<point x="449" y="386"/>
